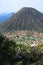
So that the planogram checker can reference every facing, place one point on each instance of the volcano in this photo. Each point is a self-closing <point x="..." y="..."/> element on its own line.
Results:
<point x="25" y="19"/>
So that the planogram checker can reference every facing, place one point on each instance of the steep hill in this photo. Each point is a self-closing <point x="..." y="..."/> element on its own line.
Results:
<point x="25" y="19"/>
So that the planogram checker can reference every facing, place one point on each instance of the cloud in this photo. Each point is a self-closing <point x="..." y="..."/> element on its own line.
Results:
<point x="15" y="5"/>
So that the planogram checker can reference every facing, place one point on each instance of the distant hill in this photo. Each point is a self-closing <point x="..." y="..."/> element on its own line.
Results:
<point x="4" y="16"/>
<point x="25" y="19"/>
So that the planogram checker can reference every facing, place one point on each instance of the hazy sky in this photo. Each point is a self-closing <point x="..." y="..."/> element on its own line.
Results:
<point x="7" y="6"/>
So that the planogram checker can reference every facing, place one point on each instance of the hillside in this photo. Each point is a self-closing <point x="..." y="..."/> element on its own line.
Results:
<point x="25" y="19"/>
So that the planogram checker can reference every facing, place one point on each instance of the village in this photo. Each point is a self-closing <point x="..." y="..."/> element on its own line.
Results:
<point x="26" y="37"/>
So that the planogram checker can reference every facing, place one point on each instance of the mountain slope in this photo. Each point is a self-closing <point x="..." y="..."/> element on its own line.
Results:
<point x="24" y="19"/>
<point x="3" y="16"/>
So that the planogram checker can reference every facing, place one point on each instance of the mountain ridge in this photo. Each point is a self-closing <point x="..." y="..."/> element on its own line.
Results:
<point x="5" y="16"/>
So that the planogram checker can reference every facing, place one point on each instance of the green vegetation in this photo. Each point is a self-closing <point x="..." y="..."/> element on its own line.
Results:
<point x="12" y="53"/>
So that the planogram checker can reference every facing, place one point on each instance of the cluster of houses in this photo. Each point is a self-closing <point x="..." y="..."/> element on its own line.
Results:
<point x="21" y="34"/>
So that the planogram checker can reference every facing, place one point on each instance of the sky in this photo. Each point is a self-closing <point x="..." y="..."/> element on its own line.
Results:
<point x="7" y="6"/>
